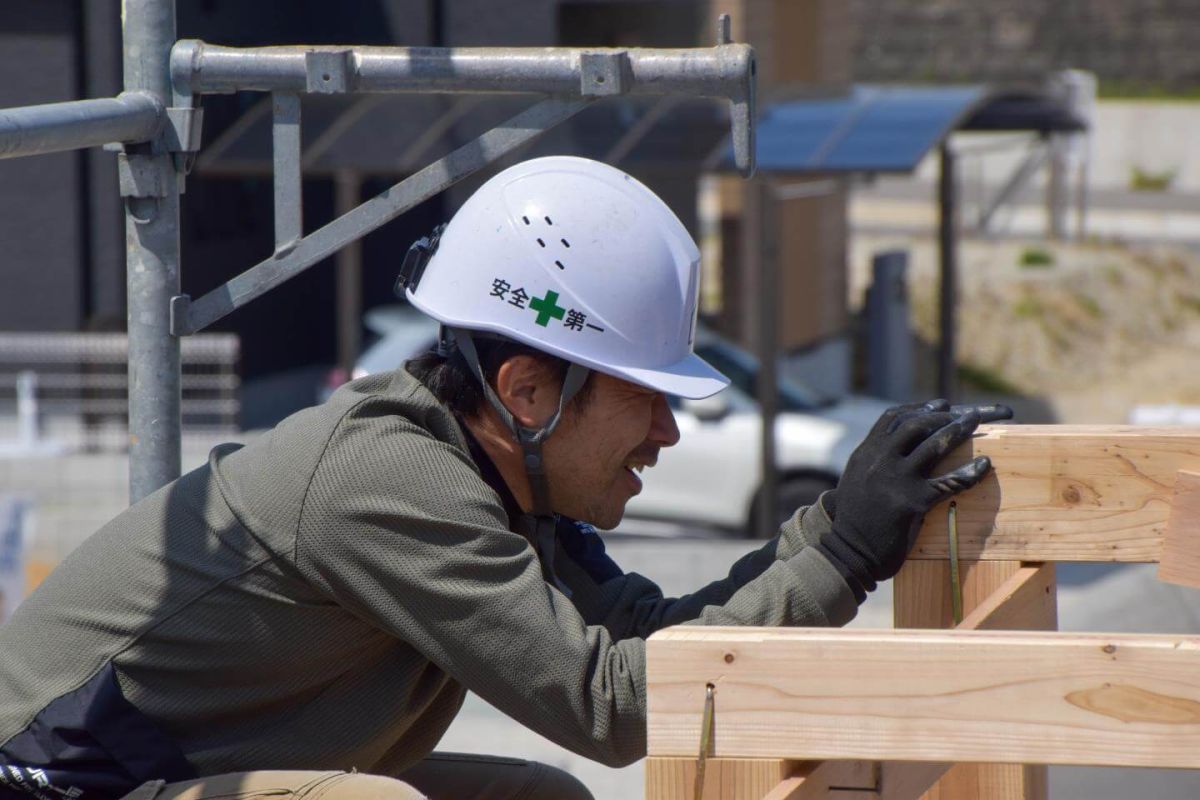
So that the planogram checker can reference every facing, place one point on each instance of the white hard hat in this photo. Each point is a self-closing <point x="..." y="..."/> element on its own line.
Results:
<point x="577" y="259"/>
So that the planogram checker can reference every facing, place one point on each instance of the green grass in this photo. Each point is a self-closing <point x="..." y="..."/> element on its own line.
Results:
<point x="1141" y="180"/>
<point x="1028" y="308"/>
<point x="1136" y="90"/>
<point x="1089" y="306"/>
<point x="1190" y="301"/>
<point x="1036" y="258"/>
<point x="984" y="379"/>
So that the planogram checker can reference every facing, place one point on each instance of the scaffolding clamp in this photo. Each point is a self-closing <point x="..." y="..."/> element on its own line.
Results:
<point x="181" y="304"/>
<point x="604" y="73"/>
<point x="329" y="71"/>
<point x="140" y="174"/>
<point x="182" y="131"/>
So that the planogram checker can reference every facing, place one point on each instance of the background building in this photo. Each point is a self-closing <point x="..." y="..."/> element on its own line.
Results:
<point x="63" y="259"/>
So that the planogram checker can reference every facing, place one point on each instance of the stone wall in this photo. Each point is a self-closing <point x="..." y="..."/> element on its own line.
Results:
<point x="1147" y="44"/>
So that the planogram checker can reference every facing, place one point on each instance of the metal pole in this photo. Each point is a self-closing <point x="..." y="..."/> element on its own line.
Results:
<point x="1056" y="187"/>
<point x="720" y="71"/>
<point x="727" y="71"/>
<point x="55" y="127"/>
<point x="347" y="194"/>
<point x="289" y="206"/>
<point x="889" y="344"/>
<point x="768" y="353"/>
<point x="948" y="251"/>
<point x="152" y="261"/>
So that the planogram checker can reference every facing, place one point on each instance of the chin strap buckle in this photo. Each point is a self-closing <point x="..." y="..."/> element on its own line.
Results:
<point x="416" y="259"/>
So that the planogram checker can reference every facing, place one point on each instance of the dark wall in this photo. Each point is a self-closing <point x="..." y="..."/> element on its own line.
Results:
<point x="41" y="281"/>
<point x="60" y="216"/>
<point x="228" y="223"/>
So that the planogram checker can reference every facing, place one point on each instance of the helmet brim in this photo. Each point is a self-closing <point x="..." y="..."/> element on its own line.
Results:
<point x="693" y="378"/>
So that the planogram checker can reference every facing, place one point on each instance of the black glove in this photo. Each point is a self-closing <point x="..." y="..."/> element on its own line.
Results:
<point x="885" y="491"/>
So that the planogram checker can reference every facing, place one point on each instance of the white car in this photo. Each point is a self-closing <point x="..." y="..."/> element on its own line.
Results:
<point x="714" y="474"/>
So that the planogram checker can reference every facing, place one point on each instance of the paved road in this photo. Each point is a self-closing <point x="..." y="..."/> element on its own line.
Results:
<point x="1091" y="598"/>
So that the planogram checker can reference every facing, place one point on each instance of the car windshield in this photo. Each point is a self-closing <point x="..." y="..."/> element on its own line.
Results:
<point x="742" y="370"/>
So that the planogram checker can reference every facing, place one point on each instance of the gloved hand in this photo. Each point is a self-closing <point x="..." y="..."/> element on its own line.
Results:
<point x="886" y="488"/>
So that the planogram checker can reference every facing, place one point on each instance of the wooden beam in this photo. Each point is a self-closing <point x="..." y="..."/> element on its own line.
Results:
<point x="997" y="595"/>
<point x="869" y="780"/>
<point x="1025" y="601"/>
<point x="1065" y="493"/>
<point x="1181" y="546"/>
<point x="830" y="780"/>
<point x="997" y="696"/>
<point x="1024" y="598"/>
<point x="724" y="778"/>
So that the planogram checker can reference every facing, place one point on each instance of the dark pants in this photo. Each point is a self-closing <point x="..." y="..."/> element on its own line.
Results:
<point x="441" y="776"/>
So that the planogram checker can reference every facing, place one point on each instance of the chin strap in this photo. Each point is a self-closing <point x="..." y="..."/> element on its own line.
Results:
<point x="530" y="439"/>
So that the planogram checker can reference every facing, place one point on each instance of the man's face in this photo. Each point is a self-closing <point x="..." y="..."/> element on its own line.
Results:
<point x="595" y="454"/>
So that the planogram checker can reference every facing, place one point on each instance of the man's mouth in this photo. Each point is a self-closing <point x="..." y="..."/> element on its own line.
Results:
<point x="634" y="466"/>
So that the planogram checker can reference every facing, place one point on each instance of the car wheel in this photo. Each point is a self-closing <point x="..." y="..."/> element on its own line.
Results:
<point x="793" y="493"/>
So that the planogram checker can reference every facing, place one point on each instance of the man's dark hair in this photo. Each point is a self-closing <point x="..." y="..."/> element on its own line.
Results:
<point x="454" y="385"/>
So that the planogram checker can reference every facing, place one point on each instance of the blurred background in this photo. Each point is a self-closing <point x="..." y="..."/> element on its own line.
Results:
<point x="955" y="197"/>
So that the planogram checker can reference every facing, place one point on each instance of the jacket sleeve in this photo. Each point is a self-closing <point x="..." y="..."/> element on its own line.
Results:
<point x="785" y="582"/>
<point x="398" y="527"/>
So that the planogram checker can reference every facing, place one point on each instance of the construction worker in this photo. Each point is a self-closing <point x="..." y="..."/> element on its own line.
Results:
<point x="302" y="616"/>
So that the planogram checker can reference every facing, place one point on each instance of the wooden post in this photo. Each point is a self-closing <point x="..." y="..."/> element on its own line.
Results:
<point x="1181" y="545"/>
<point x="724" y="778"/>
<point x="923" y="600"/>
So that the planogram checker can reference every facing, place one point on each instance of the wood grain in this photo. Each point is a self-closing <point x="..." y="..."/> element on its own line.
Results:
<point x="1181" y="546"/>
<point x="724" y="778"/>
<point x="997" y="595"/>
<point x="1026" y="597"/>
<point x="1065" y="493"/>
<point x="997" y="696"/>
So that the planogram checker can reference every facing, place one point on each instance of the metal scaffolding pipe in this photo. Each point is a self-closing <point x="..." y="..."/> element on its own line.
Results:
<point x="201" y="68"/>
<point x="55" y="127"/>
<point x="152" y="261"/>
<point x="725" y="71"/>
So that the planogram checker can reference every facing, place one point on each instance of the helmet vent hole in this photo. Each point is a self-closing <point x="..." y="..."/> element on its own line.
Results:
<point x="543" y="244"/>
<point x="526" y="220"/>
<point x="566" y="244"/>
<point x="560" y="264"/>
<point x="548" y="222"/>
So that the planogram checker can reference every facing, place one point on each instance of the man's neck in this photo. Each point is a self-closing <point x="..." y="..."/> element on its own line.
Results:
<point x="497" y="441"/>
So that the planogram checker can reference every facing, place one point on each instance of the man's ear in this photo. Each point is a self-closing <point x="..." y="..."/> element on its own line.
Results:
<point x="528" y="389"/>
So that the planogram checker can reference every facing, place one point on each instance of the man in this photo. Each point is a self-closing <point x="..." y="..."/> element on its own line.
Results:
<point x="319" y="601"/>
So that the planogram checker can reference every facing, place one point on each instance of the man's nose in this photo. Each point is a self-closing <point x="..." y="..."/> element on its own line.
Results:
<point x="663" y="430"/>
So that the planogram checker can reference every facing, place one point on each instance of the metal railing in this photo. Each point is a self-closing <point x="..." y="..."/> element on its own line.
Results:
<point x="157" y="120"/>
<point x="77" y="387"/>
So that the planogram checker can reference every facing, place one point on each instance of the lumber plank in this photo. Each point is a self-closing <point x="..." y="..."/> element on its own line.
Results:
<point x="997" y="696"/>
<point x="829" y="780"/>
<point x="852" y="780"/>
<point x="997" y="595"/>
<point x="921" y="596"/>
<point x="1181" y="546"/>
<point x="724" y="778"/>
<point x="1065" y="493"/>
<point x="1024" y="597"/>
